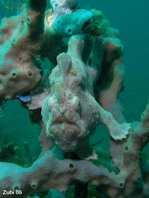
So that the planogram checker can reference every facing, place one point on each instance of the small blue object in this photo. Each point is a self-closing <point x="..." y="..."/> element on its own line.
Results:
<point x="71" y="23"/>
<point x="24" y="98"/>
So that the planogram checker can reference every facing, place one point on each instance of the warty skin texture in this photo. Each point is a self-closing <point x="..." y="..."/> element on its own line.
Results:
<point x="70" y="112"/>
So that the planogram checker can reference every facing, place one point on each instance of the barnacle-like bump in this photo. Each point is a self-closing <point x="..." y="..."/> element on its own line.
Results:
<point x="34" y="185"/>
<point x="30" y="73"/>
<point x="71" y="166"/>
<point x="13" y="74"/>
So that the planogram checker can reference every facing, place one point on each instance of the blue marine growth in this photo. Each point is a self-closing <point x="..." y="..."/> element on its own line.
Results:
<point x="68" y="20"/>
<point x="71" y="23"/>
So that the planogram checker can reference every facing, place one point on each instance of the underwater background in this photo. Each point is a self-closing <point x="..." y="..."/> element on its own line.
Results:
<point x="131" y="18"/>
